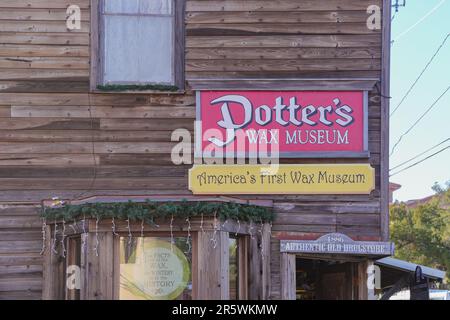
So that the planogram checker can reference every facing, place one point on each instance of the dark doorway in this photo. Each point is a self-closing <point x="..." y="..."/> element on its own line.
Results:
<point x="324" y="279"/>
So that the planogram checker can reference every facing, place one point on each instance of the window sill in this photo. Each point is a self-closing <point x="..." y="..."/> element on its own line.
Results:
<point x="137" y="89"/>
<point x="178" y="92"/>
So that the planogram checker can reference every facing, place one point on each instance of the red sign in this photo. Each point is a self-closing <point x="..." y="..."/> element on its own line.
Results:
<point x="293" y="123"/>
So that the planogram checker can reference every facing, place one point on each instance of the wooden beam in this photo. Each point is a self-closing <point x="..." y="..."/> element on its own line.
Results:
<point x="95" y="45"/>
<point x="288" y="281"/>
<point x="385" y="85"/>
<point x="211" y="266"/>
<point x="282" y="84"/>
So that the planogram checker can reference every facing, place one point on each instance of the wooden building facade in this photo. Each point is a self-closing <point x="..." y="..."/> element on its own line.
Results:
<point x="62" y="136"/>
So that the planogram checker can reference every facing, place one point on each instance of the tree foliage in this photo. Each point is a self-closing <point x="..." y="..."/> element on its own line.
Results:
<point x="422" y="234"/>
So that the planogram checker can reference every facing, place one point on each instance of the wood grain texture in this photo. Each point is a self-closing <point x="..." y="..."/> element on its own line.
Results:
<point x="50" y="122"/>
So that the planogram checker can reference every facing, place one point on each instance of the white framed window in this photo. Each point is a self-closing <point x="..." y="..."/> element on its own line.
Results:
<point x="138" y="42"/>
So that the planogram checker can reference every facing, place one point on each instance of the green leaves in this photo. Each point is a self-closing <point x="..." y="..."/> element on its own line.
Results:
<point x="149" y="211"/>
<point x="422" y="234"/>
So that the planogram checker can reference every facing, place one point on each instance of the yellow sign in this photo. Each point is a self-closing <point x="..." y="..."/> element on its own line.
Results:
<point x="282" y="179"/>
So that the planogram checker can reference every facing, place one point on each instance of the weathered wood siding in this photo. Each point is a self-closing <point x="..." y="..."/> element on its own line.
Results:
<point x="52" y="131"/>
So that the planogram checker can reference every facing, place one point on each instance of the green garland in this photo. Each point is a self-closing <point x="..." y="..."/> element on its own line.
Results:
<point x="149" y="211"/>
<point x="137" y="87"/>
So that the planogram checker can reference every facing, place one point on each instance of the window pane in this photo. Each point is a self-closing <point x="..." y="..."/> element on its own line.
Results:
<point x="121" y="6"/>
<point x="234" y="269"/>
<point x="138" y="6"/>
<point x="156" y="6"/>
<point x="138" y="49"/>
<point x="153" y="269"/>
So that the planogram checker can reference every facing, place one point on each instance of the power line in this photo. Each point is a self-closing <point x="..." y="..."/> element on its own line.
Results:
<point x="419" y="162"/>
<point x="418" y="120"/>
<point x="415" y="157"/>
<point x="429" y="13"/>
<point x="420" y="75"/>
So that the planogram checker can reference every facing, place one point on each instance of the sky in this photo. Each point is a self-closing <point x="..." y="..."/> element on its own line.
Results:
<point x="410" y="53"/>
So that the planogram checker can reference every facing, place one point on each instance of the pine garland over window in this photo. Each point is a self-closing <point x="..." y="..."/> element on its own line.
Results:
<point x="149" y="211"/>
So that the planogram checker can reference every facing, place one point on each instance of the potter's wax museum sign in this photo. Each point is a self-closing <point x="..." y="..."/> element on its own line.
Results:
<point x="292" y="123"/>
<point x="337" y="243"/>
<point x="282" y="179"/>
<point x="159" y="271"/>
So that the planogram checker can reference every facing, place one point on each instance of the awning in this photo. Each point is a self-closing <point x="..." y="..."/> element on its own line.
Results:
<point x="410" y="267"/>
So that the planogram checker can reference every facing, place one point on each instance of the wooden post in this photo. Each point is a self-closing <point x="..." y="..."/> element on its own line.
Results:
<point x="47" y="270"/>
<point x="265" y="253"/>
<point x="54" y="269"/>
<point x="211" y="266"/>
<point x="384" y="161"/>
<point x="255" y="270"/>
<point x="243" y="268"/>
<point x="288" y="284"/>
<point x="100" y="269"/>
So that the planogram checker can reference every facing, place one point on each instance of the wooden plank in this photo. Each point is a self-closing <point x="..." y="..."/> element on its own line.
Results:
<point x="19" y="74"/>
<point x="86" y="172"/>
<point x="180" y="43"/>
<point x="155" y="112"/>
<point x="270" y="29"/>
<point x="19" y="246"/>
<point x="277" y="16"/>
<point x="305" y="228"/>
<point x="63" y="38"/>
<point x="285" y="209"/>
<point x="282" y="65"/>
<point x="281" y="84"/>
<point x="48" y="267"/>
<point x="298" y="41"/>
<point x="19" y="210"/>
<point x="82" y="148"/>
<point x="281" y="53"/>
<point x="75" y="99"/>
<point x="44" y="62"/>
<point x="21" y="235"/>
<point x="209" y="277"/>
<point x="95" y="71"/>
<point x="265" y="261"/>
<point x="45" y="4"/>
<point x="275" y="275"/>
<point x="224" y="273"/>
<point x="308" y="74"/>
<point x="48" y="85"/>
<point x="21" y="259"/>
<point x="33" y="196"/>
<point x="243" y="261"/>
<point x="48" y="159"/>
<point x="40" y="26"/>
<point x="5" y="111"/>
<point x="166" y="183"/>
<point x="255" y="284"/>
<point x="20" y="222"/>
<point x="48" y="124"/>
<point x="385" y="87"/>
<point x="275" y="5"/>
<point x="144" y="124"/>
<point x="21" y="284"/>
<point x="68" y="135"/>
<point x="288" y="284"/>
<point x="21" y="295"/>
<point x="39" y="14"/>
<point x="43" y="50"/>
<point x="135" y="159"/>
